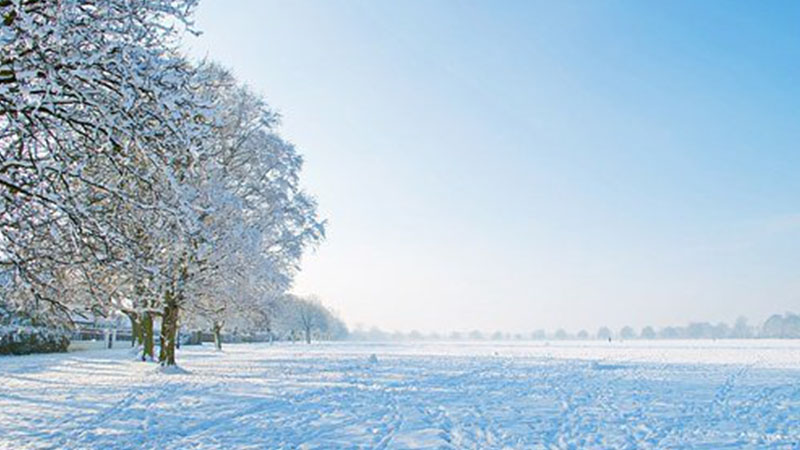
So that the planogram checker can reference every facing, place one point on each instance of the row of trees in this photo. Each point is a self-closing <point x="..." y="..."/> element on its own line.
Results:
<point x="133" y="180"/>
<point x="778" y="326"/>
<point x="289" y="317"/>
<point x="786" y="326"/>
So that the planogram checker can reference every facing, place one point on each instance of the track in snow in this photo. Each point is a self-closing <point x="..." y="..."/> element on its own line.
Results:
<point x="446" y="395"/>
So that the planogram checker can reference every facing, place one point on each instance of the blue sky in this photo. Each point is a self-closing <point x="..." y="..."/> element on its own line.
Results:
<point x="524" y="165"/>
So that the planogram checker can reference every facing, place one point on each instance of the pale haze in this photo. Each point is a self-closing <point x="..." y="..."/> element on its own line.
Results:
<point x="522" y="165"/>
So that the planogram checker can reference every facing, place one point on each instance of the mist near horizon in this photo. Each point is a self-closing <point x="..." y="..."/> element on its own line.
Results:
<point x="536" y="165"/>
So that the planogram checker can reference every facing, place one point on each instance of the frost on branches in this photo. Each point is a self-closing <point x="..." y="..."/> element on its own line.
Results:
<point x="91" y="95"/>
<point x="134" y="181"/>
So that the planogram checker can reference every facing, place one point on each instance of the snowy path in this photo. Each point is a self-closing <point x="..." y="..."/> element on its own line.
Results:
<point x="485" y="395"/>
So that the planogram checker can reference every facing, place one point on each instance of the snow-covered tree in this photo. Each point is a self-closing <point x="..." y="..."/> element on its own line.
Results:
<point x="782" y="326"/>
<point x="741" y="330"/>
<point x="134" y="181"/>
<point x="94" y="105"/>
<point x="308" y="315"/>
<point x="538" y="335"/>
<point x="627" y="333"/>
<point x="255" y="219"/>
<point x="648" y="333"/>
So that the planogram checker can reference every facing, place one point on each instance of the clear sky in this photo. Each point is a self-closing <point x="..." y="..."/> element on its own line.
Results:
<point x="503" y="165"/>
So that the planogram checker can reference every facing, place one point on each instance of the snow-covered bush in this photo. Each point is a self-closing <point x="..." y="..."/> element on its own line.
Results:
<point x="23" y="332"/>
<point x="22" y="340"/>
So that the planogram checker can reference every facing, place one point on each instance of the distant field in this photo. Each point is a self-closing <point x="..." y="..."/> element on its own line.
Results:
<point x="639" y="394"/>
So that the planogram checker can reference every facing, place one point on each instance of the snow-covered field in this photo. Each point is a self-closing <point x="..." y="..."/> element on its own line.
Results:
<point x="696" y="394"/>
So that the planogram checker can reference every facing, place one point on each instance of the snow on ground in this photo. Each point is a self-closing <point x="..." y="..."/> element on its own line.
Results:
<point x="698" y="394"/>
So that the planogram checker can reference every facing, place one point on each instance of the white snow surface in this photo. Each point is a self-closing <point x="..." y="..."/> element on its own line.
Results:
<point x="484" y="395"/>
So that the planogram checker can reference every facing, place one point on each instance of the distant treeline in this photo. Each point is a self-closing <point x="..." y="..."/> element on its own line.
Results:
<point x="778" y="326"/>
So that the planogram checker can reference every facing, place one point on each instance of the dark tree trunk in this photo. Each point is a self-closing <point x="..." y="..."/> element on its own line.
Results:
<point x="135" y="334"/>
<point x="146" y="336"/>
<point x="217" y="330"/>
<point x="169" y="329"/>
<point x="162" y="350"/>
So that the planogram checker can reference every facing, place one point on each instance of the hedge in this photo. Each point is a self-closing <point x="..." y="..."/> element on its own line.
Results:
<point x="22" y="340"/>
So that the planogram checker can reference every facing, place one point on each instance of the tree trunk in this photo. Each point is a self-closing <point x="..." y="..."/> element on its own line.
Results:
<point x="172" y="337"/>
<point x="217" y="330"/>
<point x="146" y="336"/>
<point x="140" y="331"/>
<point x="162" y="348"/>
<point x="308" y="335"/>
<point x="169" y="329"/>
<point x="135" y="333"/>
